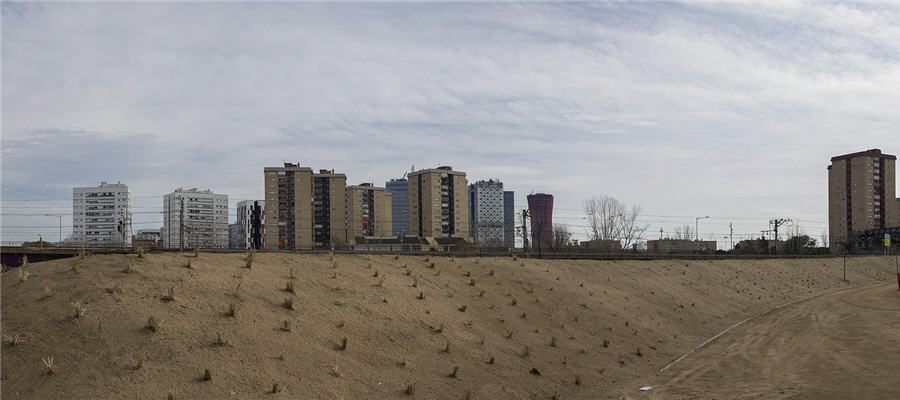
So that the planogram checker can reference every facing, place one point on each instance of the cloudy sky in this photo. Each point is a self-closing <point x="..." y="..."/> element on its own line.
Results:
<point x="731" y="111"/>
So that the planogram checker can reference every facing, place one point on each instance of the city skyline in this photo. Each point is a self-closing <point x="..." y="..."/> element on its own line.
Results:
<point x="689" y="110"/>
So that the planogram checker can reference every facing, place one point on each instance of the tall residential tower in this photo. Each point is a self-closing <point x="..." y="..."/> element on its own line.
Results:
<point x="101" y="215"/>
<point x="861" y="194"/>
<point x="438" y="203"/>
<point x="399" y="190"/>
<point x="304" y="210"/>
<point x="540" y="209"/>
<point x="368" y="212"/>
<point x="486" y="213"/>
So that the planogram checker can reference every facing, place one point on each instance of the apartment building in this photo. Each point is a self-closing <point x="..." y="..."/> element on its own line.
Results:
<point x="540" y="211"/>
<point x="369" y="211"/>
<point x="509" y="219"/>
<point x="861" y="188"/>
<point x="101" y="215"/>
<point x="399" y="190"/>
<point x="304" y="210"/>
<point x="250" y="224"/>
<point x="486" y="213"/>
<point x="438" y="203"/>
<point x="195" y="218"/>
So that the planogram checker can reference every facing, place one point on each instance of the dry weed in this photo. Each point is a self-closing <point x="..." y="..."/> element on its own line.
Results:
<point x="23" y="274"/>
<point x="13" y="340"/>
<point x="207" y="376"/>
<point x="140" y="252"/>
<point x="276" y="388"/>
<point x="49" y="365"/>
<point x="292" y="274"/>
<point x="153" y="324"/>
<point x="196" y="252"/>
<point x="455" y="371"/>
<point x="446" y="348"/>
<point x="170" y="296"/>
<point x="220" y="342"/>
<point x="421" y="295"/>
<point x="46" y="293"/>
<point x="289" y="287"/>
<point x="410" y="389"/>
<point x="343" y="345"/>
<point x="286" y="325"/>
<point x="288" y="303"/>
<point x="79" y="309"/>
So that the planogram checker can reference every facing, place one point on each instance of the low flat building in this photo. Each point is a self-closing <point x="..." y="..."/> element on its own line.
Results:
<point x="411" y="244"/>
<point x="607" y="246"/>
<point x="681" y="246"/>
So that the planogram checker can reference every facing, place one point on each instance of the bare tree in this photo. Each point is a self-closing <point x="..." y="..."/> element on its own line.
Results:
<point x="684" y="232"/>
<point x="610" y="219"/>
<point x="562" y="238"/>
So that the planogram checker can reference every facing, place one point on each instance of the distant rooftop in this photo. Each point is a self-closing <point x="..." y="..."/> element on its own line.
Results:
<point x="867" y="153"/>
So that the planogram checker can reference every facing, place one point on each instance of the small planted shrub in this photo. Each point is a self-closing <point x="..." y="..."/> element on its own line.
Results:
<point x="249" y="263"/>
<point x="140" y="252"/>
<point x="196" y="252"/>
<point x="515" y="300"/>
<point x="491" y="273"/>
<point x="288" y="303"/>
<point x="508" y="334"/>
<point x="553" y="341"/>
<point x="462" y="308"/>
<point x="24" y="261"/>
<point x="283" y="355"/>
<point x="220" y="342"/>
<point x="292" y="274"/>
<point x="170" y="296"/>
<point x="606" y="343"/>
<point x="128" y="269"/>
<point x="153" y="324"/>
<point x="49" y="365"/>
<point x="445" y="348"/>
<point x="13" y="340"/>
<point x="410" y="388"/>
<point x="276" y="388"/>
<point x="454" y="372"/>
<point x="471" y="282"/>
<point x="526" y="352"/>
<point x="207" y="376"/>
<point x="141" y="358"/>
<point x="343" y="345"/>
<point x="172" y="395"/>
<point x="289" y="287"/>
<point x="577" y="380"/>
<point x="491" y="360"/>
<point x="23" y="274"/>
<point x="78" y="309"/>
<point x="189" y="264"/>
<point x="46" y="293"/>
<point x="286" y="326"/>
<point x="421" y="295"/>
<point x="232" y="310"/>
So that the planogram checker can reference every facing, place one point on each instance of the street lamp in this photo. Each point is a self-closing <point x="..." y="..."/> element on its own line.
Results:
<point x="697" y="226"/>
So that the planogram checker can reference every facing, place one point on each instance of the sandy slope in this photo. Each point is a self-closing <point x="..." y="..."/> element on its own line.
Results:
<point x="602" y="314"/>
<point x="842" y="345"/>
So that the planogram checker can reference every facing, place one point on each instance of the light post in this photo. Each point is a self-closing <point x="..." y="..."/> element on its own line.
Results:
<point x="697" y="226"/>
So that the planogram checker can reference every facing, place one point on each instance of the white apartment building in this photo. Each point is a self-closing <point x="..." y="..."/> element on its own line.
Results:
<point x="198" y="218"/>
<point x="486" y="213"/>
<point x="101" y="215"/>
<point x="250" y="224"/>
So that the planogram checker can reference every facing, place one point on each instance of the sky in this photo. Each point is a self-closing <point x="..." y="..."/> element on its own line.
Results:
<point x="686" y="109"/>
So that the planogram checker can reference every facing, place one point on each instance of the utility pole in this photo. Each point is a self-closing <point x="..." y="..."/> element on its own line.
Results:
<point x="181" y="226"/>
<point x="776" y="223"/>
<point x="661" y="233"/>
<point x="525" y="215"/>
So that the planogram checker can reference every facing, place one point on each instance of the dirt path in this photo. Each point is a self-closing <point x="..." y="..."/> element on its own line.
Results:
<point x="842" y="345"/>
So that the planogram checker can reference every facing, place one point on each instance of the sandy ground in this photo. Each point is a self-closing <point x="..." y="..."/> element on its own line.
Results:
<point x="843" y="345"/>
<point x="511" y="328"/>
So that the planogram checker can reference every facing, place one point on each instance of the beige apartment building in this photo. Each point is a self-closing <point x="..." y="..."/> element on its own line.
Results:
<point x="438" y="203"/>
<point x="368" y="212"/>
<point x="304" y="210"/>
<point x="861" y="194"/>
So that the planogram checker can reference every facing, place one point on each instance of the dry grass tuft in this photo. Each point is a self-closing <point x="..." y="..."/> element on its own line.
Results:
<point x="78" y="309"/>
<point x="283" y="355"/>
<point x="462" y="308"/>
<point x="46" y="293"/>
<point x="578" y="380"/>
<point x="421" y="295"/>
<point x="128" y="269"/>
<point x="206" y="375"/>
<point x="286" y="325"/>
<point x="638" y="352"/>
<point x="491" y="273"/>
<point x="170" y="296"/>
<point x="455" y="371"/>
<point x="343" y="345"/>
<point x="220" y="342"/>
<point x="81" y="253"/>
<point x="24" y="261"/>
<point x="491" y="360"/>
<point x="140" y="252"/>
<point x="472" y="282"/>
<point x="232" y="310"/>
<point x="276" y="388"/>
<point x="508" y="334"/>
<point x="172" y="396"/>
<point x="553" y="341"/>
<point x="606" y="343"/>
<point x="289" y="287"/>
<point x="288" y="303"/>
<point x="23" y="274"/>
<point x="415" y="282"/>
<point x="189" y="264"/>
<point x="153" y="324"/>
<point x="13" y="340"/>
<point x="410" y="389"/>
<point x="526" y="352"/>
<point x="468" y="395"/>
<point x="292" y="274"/>
<point x="249" y="264"/>
<point x="141" y="358"/>
<point x="49" y="365"/>
<point x="515" y="300"/>
<point x="445" y="348"/>
<point x="196" y="252"/>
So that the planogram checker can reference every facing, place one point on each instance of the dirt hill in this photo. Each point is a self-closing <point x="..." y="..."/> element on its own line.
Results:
<point x="378" y="326"/>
